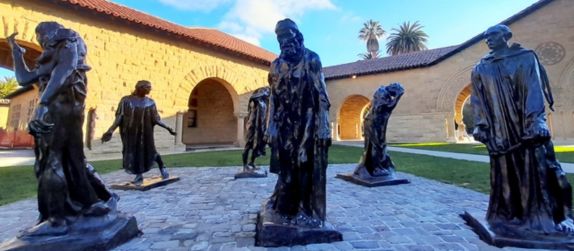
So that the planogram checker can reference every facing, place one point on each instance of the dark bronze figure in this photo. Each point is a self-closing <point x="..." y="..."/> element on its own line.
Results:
<point x="255" y="127"/>
<point x="136" y="117"/>
<point x="376" y="167"/>
<point x="73" y="202"/>
<point x="299" y="136"/>
<point x="530" y="201"/>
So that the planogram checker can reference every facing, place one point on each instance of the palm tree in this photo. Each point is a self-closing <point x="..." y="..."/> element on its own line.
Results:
<point x="7" y="86"/>
<point x="367" y="55"/>
<point x="408" y="38"/>
<point x="371" y="32"/>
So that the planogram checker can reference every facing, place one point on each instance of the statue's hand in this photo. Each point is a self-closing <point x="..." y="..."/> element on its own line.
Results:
<point x="38" y="124"/>
<point x="107" y="136"/>
<point x="12" y="43"/>
<point x="171" y="131"/>
<point x="539" y="132"/>
<point x="480" y="135"/>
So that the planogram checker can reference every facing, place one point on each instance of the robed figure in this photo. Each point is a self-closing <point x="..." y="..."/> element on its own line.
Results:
<point x="299" y="136"/>
<point x="136" y="117"/>
<point x="529" y="191"/>
<point x="376" y="162"/>
<point x="73" y="202"/>
<point x="256" y="126"/>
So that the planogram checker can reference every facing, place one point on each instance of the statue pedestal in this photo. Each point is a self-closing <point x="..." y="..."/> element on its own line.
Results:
<point x="525" y="239"/>
<point x="251" y="173"/>
<point x="274" y="234"/>
<point x="86" y="233"/>
<point x="147" y="184"/>
<point x="372" y="182"/>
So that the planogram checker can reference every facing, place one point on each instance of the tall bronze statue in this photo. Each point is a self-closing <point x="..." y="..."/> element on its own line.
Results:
<point x="376" y="167"/>
<point x="136" y="117"/>
<point x="530" y="200"/>
<point x="73" y="202"/>
<point x="299" y="136"/>
<point x="255" y="127"/>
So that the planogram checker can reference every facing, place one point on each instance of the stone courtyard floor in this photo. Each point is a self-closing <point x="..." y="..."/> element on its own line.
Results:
<point x="208" y="210"/>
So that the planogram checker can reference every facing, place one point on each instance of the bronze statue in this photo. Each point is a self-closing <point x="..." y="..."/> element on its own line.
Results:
<point x="299" y="136"/>
<point x="136" y="117"/>
<point x="73" y="202"/>
<point x="255" y="127"/>
<point x="376" y="167"/>
<point x="530" y="198"/>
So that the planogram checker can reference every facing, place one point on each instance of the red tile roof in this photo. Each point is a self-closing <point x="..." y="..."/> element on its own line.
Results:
<point x="387" y="64"/>
<point x="201" y="36"/>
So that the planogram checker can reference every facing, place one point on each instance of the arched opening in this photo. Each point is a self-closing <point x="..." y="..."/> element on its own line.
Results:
<point x="210" y="120"/>
<point x="463" y="120"/>
<point x="351" y="117"/>
<point x="18" y="109"/>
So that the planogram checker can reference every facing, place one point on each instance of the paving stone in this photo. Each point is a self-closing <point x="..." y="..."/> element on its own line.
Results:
<point x="365" y="244"/>
<point x="165" y="245"/>
<point x="208" y="210"/>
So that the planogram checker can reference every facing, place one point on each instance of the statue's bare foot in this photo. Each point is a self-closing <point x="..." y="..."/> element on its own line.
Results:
<point x="566" y="226"/>
<point x="138" y="180"/>
<point x="48" y="228"/>
<point x="164" y="173"/>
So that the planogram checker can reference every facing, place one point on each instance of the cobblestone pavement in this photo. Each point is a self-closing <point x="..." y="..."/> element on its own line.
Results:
<point x="208" y="210"/>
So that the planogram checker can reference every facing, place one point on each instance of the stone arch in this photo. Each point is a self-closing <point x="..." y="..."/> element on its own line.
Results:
<point x="210" y="118"/>
<point x="225" y="76"/>
<point x="462" y="97"/>
<point x="562" y="90"/>
<point x="449" y="89"/>
<point x="350" y="117"/>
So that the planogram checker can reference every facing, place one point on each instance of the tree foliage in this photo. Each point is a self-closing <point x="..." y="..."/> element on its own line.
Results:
<point x="407" y="38"/>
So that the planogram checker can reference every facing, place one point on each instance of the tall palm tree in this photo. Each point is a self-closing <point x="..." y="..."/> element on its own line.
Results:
<point x="371" y="32"/>
<point x="408" y="38"/>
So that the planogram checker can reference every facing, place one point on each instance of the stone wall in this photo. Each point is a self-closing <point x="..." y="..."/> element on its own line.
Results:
<point x="120" y="56"/>
<point x="427" y="110"/>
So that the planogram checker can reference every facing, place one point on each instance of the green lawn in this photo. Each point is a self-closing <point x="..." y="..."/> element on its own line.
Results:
<point x="18" y="183"/>
<point x="563" y="153"/>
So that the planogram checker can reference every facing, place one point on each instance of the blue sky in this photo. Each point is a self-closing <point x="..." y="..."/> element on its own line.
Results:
<point x="330" y="27"/>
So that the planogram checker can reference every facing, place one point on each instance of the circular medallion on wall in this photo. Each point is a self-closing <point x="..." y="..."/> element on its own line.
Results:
<point x="550" y="53"/>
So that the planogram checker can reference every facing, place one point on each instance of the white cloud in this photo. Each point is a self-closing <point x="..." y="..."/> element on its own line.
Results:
<point x="252" y="19"/>
<point x="193" y="5"/>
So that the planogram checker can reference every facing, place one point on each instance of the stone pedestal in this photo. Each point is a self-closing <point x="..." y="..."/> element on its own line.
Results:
<point x="372" y="181"/>
<point x="147" y="184"/>
<point x="271" y="233"/>
<point x="85" y="233"/>
<point x="520" y="238"/>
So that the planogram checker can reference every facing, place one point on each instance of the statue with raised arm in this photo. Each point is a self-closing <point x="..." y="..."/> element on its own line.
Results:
<point x="255" y="127"/>
<point x="136" y="117"/>
<point x="73" y="202"/>
<point x="376" y="167"/>
<point x="299" y="135"/>
<point x="530" y="199"/>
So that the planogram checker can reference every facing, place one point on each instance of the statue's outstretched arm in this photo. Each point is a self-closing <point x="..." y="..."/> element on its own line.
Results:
<point x="23" y="74"/>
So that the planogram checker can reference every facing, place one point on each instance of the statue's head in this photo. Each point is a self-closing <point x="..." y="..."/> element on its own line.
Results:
<point x="385" y="94"/>
<point x="290" y="39"/>
<point x="497" y="36"/>
<point x="142" y="88"/>
<point x="46" y="30"/>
